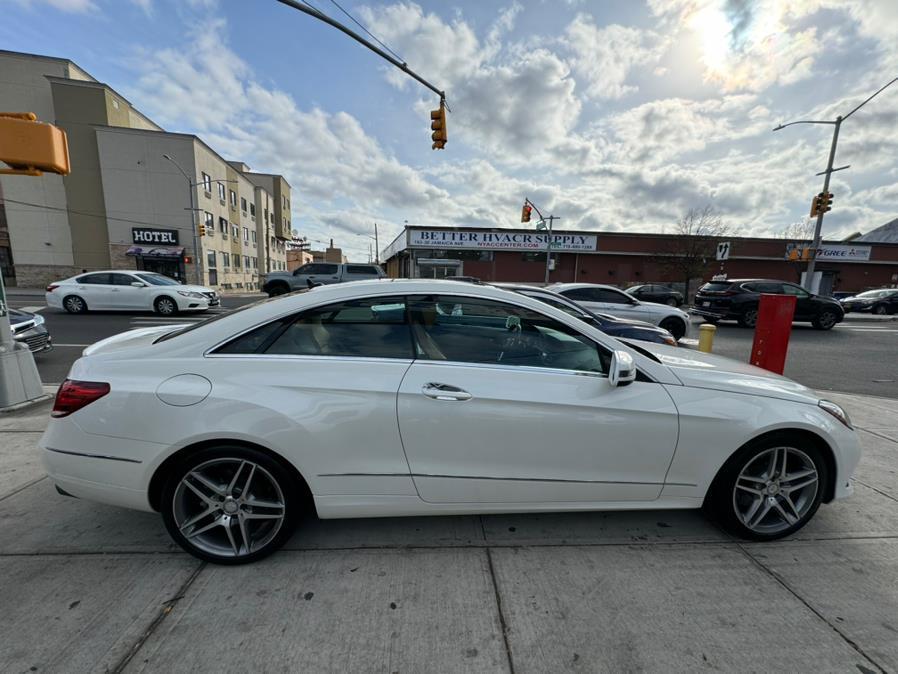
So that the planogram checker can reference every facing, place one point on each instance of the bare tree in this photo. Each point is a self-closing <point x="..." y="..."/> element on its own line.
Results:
<point x="693" y="248"/>
<point x="800" y="230"/>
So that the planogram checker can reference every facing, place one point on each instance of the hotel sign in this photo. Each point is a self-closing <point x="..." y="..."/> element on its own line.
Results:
<point x="511" y="240"/>
<point x="156" y="236"/>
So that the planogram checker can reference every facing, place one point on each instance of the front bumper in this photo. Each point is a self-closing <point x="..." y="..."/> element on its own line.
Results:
<point x="706" y="312"/>
<point x="37" y="339"/>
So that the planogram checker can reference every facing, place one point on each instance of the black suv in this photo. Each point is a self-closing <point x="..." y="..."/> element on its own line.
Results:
<point x="653" y="292"/>
<point x="738" y="299"/>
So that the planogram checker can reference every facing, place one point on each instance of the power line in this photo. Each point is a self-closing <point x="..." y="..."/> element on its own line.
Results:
<point x="373" y="37"/>
<point x="69" y="210"/>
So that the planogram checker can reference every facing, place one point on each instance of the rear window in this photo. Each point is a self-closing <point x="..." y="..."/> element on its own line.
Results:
<point x="360" y="269"/>
<point x="716" y="286"/>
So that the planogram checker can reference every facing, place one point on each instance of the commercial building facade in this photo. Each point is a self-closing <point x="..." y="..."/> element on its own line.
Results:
<point x="124" y="205"/>
<point x="623" y="259"/>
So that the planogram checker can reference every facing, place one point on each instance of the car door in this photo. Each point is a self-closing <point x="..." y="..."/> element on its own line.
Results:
<point x="124" y="296"/>
<point x="805" y="306"/>
<point x="96" y="290"/>
<point x="331" y="374"/>
<point x="325" y="273"/>
<point x="506" y="405"/>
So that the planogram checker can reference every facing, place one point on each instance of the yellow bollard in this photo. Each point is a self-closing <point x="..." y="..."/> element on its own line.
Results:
<point x="706" y="337"/>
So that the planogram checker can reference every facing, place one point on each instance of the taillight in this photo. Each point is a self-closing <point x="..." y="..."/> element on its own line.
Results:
<point x="73" y="395"/>
<point x="51" y="287"/>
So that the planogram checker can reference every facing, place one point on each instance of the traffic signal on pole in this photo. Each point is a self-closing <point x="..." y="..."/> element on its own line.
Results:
<point x="201" y="230"/>
<point x="826" y="201"/>
<point x="31" y="147"/>
<point x="525" y="212"/>
<point x="438" y="126"/>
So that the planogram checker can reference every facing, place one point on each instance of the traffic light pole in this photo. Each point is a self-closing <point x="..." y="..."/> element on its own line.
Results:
<point x="809" y="274"/>
<point x="551" y="218"/>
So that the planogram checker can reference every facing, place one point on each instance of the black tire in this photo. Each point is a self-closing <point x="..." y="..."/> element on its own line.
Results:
<point x="880" y="310"/>
<point x="277" y="289"/>
<point x="75" y="304"/>
<point x="825" y="320"/>
<point x="165" y="306"/>
<point x="712" y="321"/>
<point x="674" y="326"/>
<point x="724" y="500"/>
<point x="672" y="302"/>
<point x="749" y="318"/>
<point x="217" y="545"/>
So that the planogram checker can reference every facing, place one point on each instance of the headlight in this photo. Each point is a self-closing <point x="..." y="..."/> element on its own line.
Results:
<point x="38" y="319"/>
<point x="190" y="293"/>
<point x="836" y="411"/>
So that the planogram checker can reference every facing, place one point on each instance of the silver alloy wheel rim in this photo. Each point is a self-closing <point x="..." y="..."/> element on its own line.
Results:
<point x="229" y="507"/>
<point x="166" y="306"/>
<point x="880" y="311"/>
<point x="775" y="490"/>
<point x="74" y="304"/>
<point x="751" y="317"/>
<point x="827" y="319"/>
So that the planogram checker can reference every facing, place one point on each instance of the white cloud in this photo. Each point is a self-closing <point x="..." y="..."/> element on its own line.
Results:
<point x="73" y="6"/>
<point x="605" y="56"/>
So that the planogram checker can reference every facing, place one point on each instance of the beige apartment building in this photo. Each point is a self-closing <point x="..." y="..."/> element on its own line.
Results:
<point x="127" y="202"/>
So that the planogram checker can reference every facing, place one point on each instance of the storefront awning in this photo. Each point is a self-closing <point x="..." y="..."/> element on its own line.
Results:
<point x="156" y="251"/>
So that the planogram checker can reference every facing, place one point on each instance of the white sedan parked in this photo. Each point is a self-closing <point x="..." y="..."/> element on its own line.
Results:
<point x="128" y="290"/>
<point x="610" y="300"/>
<point x="423" y="397"/>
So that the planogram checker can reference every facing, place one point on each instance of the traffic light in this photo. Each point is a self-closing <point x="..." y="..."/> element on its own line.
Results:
<point x="188" y="259"/>
<point x="525" y="212"/>
<point x="201" y="229"/>
<point x="826" y="201"/>
<point x="30" y="147"/>
<point x="438" y="125"/>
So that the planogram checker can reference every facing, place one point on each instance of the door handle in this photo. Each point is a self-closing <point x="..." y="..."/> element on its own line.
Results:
<point x="444" y="392"/>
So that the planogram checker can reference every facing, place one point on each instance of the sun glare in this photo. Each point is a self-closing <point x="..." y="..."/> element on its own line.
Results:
<point x="712" y="28"/>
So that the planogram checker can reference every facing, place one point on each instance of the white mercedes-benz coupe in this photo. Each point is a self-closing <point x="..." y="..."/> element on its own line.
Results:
<point x="422" y="397"/>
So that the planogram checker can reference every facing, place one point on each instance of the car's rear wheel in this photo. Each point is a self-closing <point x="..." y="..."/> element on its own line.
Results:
<point x="165" y="306"/>
<point x="880" y="310"/>
<point x="769" y="489"/>
<point x="671" y="302"/>
<point x="277" y="289"/>
<point x="674" y="326"/>
<point x="825" y="320"/>
<point x="75" y="304"/>
<point x="749" y="318"/>
<point x="230" y="505"/>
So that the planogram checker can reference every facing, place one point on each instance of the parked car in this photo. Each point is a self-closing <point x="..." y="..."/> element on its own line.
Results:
<point x="842" y="294"/>
<point x="318" y="273"/>
<point x="119" y="290"/>
<point x="234" y="427"/>
<point x="652" y="292"/>
<point x="610" y="300"/>
<point x="616" y="327"/>
<point x="738" y="300"/>
<point x="883" y="301"/>
<point x="29" y="329"/>
<point x="465" y="279"/>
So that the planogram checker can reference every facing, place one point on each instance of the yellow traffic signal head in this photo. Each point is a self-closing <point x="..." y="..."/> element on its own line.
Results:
<point x="30" y="147"/>
<point x="438" y="126"/>
<point x="525" y="212"/>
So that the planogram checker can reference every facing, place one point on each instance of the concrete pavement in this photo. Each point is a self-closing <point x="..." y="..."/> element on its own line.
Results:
<point x="89" y="588"/>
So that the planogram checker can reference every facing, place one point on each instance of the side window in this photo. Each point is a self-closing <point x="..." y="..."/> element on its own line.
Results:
<point x="484" y="331"/>
<point x="789" y="289"/>
<point x="612" y="296"/>
<point x="770" y="288"/>
<point x="327" y="269"/>
<point x="122" y="279"/>
<point x="365" y="328"/>
<point x="95" y="279"/>
<point x="582" y="294"/>
<point x="360" y="269"/>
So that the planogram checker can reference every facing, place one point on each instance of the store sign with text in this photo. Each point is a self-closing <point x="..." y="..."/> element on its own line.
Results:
<point x="828" y="252"/>
<point x="510" y="240"/>
<point x="156" y="236"/>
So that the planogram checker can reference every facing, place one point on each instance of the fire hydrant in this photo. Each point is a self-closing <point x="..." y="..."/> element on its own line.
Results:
<point x="706" y="337"/>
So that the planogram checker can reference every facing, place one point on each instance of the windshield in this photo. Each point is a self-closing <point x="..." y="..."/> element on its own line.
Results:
<point x="874" y="293"/>
<point x="158" y="280"/>
<point x="715" y="287"/>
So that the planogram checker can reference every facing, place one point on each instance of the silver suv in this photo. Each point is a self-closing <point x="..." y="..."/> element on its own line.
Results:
<point x="318" y="273"/>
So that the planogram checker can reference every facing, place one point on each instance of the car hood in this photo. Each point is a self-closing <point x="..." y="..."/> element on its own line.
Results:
<point x="666" y="307"/>
<point x="130" y="339"/>
<point x="705" y="370"/>
<point x="624" y="322"/>
<point x="196" y="289"/>
<point x="19" y="316"/>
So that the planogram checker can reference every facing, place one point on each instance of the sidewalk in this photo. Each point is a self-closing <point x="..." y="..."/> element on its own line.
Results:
<point x="104" y="588"/>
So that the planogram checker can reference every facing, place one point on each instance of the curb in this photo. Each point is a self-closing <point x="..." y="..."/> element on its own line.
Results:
<point x="44" y="397"/>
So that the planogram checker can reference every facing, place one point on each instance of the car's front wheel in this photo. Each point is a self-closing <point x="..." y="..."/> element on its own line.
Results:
<point x="825" y="320"/>
<point x="672" y="302"/>
<point x="769" y="489"/>
<point x="674" y="326"/>
<point x="165" y="306"/>
<point x="230" y="505"/>
<point x="880" y="310"/>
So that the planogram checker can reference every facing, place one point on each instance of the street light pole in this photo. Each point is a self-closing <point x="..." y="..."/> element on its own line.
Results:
<point x="196" y="242"/>
<point x="837" y="124"/>
<point x="376" y="246"/>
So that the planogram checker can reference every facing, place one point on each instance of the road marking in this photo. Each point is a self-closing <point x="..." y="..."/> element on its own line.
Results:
<point x="33" y="310"/>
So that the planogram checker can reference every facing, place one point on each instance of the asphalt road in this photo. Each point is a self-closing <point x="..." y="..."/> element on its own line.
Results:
<point x="854" y="357"/>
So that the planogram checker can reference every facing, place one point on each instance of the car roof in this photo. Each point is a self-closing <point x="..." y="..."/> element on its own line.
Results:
<point x="571" y="286"/>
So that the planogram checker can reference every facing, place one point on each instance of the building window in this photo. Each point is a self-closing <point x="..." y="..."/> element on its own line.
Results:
<point x="223" y="226"/>
<point x="266" y="216"/>
<point x="221" y="191"/>
<point x="246" y="261"/>
<point x="252" y="210"/>
<point x="246" y="234"/>
<point x="235" y="231"/>
<point x="255" y="263"/>
<point x="209" y="223"/>
<point x="207" y="184"/>
<point x="225" y="260"/>
<point x="254" y="238"/>
<point x="243" y="204"/>
<point x="210" y="259"/>
<point x="233" y="198"/>
<point x="236" y="261"/>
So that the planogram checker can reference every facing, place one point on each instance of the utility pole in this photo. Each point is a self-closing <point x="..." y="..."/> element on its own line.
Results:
<point x="541" y="226"/>
<point x="837" y="124"/>
<point x="191" y="186"/>
<point x="376" y="246"/>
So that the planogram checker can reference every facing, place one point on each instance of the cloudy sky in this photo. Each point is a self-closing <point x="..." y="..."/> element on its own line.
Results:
<point x="614" y="115"/>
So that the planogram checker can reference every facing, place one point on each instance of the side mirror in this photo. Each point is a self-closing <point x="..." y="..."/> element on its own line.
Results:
<point x="623" y="369"/>
<point x="138" y="284"/>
